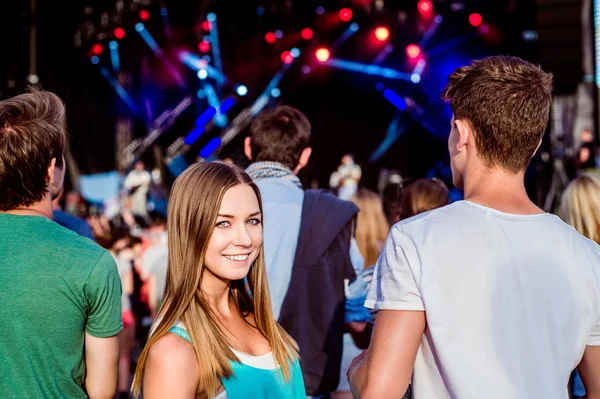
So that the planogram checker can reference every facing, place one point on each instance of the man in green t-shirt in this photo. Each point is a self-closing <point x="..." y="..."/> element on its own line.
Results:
<point x="60" y="294"/>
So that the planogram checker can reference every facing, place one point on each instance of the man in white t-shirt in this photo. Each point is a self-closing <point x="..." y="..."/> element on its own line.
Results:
<point x="488" y="297"/>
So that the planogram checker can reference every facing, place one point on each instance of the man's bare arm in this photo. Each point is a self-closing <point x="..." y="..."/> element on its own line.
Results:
<point x="384" y="370"/>
<point x="102" y="365"/>
<point x="589" y="370"/>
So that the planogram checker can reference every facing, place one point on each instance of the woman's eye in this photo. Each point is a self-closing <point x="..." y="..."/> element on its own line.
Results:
<point x="253" y="221"/>
<point x="223" y="224"/>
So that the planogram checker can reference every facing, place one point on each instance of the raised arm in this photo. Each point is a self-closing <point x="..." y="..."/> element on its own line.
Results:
<point x="102" y="365"/>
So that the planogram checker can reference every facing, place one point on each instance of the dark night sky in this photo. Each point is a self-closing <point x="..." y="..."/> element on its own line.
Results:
<point x="346" y="110"/>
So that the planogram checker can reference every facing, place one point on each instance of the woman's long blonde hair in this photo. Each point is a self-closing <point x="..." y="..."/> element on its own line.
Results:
<point x="193" y="207"/>
<point x="372" y="227"/>
<point x="580" y="206"/>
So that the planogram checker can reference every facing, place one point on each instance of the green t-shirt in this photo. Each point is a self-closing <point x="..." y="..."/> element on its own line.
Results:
<point x="54" y="285"/>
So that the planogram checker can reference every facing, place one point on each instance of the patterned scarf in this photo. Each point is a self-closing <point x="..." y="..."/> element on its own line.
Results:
<point x="263" y="170"/>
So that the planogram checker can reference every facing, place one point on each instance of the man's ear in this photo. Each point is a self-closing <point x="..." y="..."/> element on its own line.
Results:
<point x="304" y="158"/>
<point x="537" y="148"/>
<point x="247" y="148"/>
<point x="465" y="134"/>
<point x="51" y="172"/>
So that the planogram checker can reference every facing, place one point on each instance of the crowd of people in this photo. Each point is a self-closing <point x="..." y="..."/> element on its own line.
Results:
<point x="253" y="287"/>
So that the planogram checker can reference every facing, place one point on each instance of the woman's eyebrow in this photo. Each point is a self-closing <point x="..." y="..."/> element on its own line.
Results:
<point x="233" y="217"/>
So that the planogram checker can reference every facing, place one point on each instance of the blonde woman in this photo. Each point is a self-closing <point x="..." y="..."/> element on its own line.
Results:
<point x="371" y="232"/>
<point x="372" y="225"/>
<point x="580" y="206"/>
<point x="215" y="336"/>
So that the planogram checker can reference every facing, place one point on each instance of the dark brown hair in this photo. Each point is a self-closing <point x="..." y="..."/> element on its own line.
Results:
<point x="506" y="100"/>
<point x="421" y="196"/>
<point x="279" y="135"/>
<point x="32" y="132"/>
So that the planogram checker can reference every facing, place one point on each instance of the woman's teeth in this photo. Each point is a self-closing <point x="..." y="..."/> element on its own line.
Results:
<point x="236" y="257"/>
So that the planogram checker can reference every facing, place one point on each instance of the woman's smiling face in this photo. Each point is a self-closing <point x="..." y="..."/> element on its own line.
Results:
<point x="237" y="235"/>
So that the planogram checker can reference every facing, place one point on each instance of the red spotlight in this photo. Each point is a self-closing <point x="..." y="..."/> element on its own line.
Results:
<point x="413" y="51"/>
<point x="144" y="15"/>
<point x="206" y="25"/>
<point x="425" y="6"/>
<point x="287" y="57"/>
<point x="382" y="33"/>
<point x="345" y="14"/>
<point x="306" y="33"/>
<point x="322" y="54"/>
<point x="119" y="33"/>
<point x="97" y="49"/>
<point x="204" y="46"/>
<point x="270" y="37"/>
<point x="475" y="19"/>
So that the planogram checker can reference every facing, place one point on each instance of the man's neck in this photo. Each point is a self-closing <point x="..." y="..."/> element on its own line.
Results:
<point x="41" y="208"/>
<point x="500" y="190"/>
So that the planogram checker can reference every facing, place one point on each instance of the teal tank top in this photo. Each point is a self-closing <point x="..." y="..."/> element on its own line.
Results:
<point x="252" y="382"/>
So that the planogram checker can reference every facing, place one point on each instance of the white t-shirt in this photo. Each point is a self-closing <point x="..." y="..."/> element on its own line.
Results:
<point x="511" y="301"/>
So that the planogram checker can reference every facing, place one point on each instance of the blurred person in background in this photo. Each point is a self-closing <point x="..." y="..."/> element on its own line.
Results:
<point x="215" y="336"/>
<point x="310" y="252"/>
<point x="473" y="297"/>
<point x="344" y="181"/>
<point x="119" y="250"/>
<point x="580" y="207"/>
<point x="154" y="262"/>
<point x="421" y="196"/>
<point x="60" y="293"/>
<point x="71" y="222"/>
<point x="137" y="184"/>
<point x="371" y="232"/>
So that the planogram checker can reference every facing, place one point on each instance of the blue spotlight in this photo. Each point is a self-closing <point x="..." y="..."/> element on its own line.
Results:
<point x="95" y="60"/>
<point x="202" y="74"/>
<point x="211" y="17"/>
<point x="379" y="86"/>
<point x="201" y="93"/>
<point x="114" y="55"/>
<point x="395" y="99"/>
<point x="415" y="78"/>
<point x="241" y="90"/>
<point x="320" y="10"/>
<point x="226" y="105"/>
<point x="202" y="120"/>
<point x="275" y="93"/>
<point x="295" y="52"/>
<point x="367" y="69"/>
<point x="438" y="19"/>
<point x="278" y="34"/>
<point x="210" y="147"/>
<point x="305" y="69"/>
<point x="352" y="29"/>
<point x="119" y="89"/>
<point x="260" y="11"/>
<point x="166" y="22"/>
<point x="213" y="101"/>
<point x="141" y="29"/>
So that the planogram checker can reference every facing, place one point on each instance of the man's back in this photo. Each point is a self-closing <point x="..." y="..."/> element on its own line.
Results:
<point x="55" y="285"/>
<point x="511" y="301"/>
